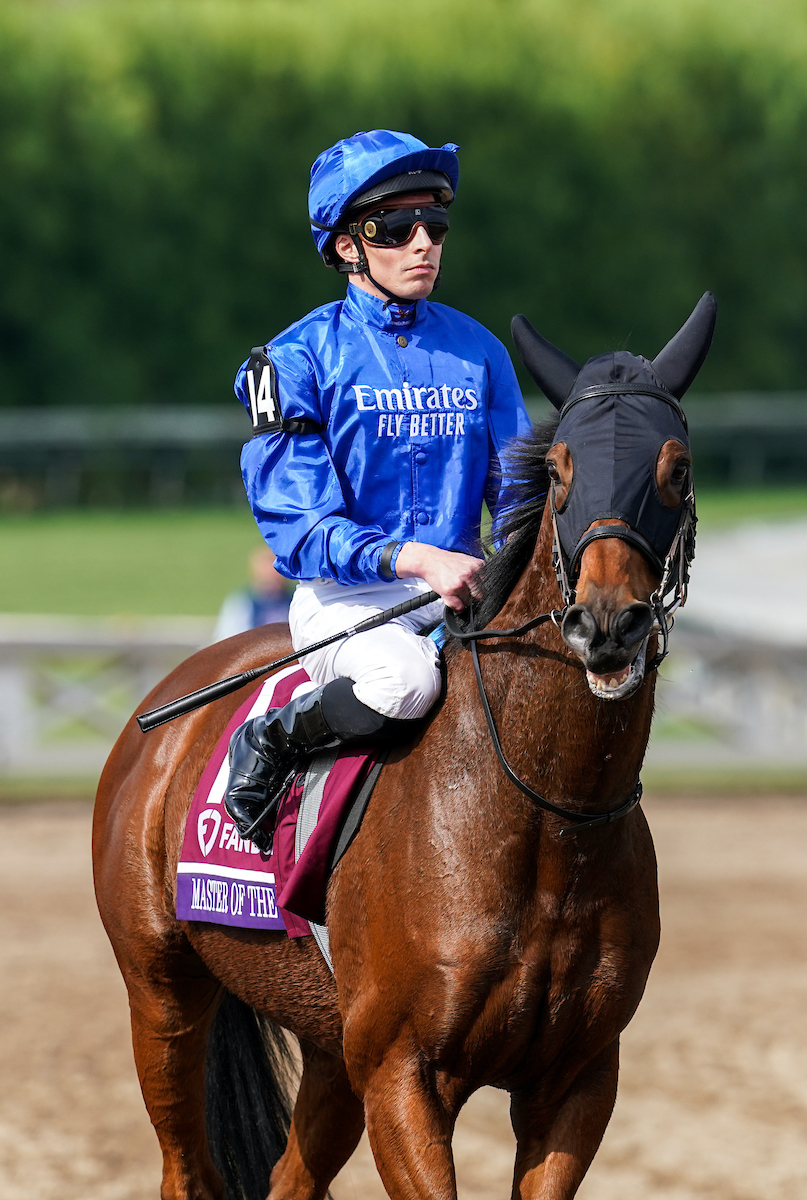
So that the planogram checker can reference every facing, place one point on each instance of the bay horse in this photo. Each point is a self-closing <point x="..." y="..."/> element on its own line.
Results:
<point x="488" y="926"/>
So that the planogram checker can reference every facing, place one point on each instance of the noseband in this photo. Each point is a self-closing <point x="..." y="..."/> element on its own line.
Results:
<point x="671" y="593"/>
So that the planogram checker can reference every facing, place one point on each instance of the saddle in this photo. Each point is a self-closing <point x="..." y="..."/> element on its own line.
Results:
<point x="225" y="880"/>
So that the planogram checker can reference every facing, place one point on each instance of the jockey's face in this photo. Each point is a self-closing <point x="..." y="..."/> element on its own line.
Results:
<point x="410" y="270"/>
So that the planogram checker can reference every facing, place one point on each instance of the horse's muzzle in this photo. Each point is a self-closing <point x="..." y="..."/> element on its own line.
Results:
<point x="613" y="657"/>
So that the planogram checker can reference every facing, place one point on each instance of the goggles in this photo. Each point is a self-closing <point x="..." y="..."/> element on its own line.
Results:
<point x="396" y="226"/>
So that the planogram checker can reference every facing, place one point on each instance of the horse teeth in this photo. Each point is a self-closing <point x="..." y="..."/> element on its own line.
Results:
<point x="608" y="683"/>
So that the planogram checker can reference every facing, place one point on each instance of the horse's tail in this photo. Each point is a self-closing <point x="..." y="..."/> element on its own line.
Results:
<point x="248" y="1078"/>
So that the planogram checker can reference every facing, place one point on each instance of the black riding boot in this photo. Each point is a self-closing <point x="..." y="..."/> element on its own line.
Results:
<point x="266" y="752"/>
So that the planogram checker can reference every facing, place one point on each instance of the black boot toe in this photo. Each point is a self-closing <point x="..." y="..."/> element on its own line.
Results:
<point x="245" y="811"/>
<point x="255" y="775"/>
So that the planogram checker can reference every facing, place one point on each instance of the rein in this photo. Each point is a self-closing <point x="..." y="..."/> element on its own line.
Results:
<point x="674" y="578"/>
<point x="581" y="820"/>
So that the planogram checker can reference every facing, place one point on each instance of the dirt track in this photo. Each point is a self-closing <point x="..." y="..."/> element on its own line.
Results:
<point x="713" y="1094"/>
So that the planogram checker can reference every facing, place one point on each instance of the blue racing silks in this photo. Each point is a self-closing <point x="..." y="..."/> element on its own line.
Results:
<point x="415" y="406"/>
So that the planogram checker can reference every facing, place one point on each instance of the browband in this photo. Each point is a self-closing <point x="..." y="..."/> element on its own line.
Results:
<point x="627" y="389"/>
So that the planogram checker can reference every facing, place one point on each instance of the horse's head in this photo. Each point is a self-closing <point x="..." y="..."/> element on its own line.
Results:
<point x="621" y="498"/>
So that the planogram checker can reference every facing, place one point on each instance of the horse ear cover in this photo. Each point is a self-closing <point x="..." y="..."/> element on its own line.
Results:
<point x="681" y="359"/>
<point x="552" y="370"/>
<point x="676" y="365"/>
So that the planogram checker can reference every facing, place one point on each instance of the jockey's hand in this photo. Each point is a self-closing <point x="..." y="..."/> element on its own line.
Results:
<point x="453" y="576"/>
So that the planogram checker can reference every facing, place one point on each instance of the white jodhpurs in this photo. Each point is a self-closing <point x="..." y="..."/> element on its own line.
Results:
<point x="395" y="670"/>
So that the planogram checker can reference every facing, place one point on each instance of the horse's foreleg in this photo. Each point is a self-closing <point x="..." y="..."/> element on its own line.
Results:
<point x="554" y="1152"/>
<point x="325" y="1130"/>
<point x="170" y="1024"/>
<point x="410" y="1132"/>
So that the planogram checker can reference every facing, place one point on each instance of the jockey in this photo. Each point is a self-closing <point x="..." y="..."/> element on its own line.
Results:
<point x="378" y="426"/>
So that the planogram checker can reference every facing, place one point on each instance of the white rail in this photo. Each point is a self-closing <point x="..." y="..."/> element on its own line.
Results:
<point x="726" y="700"/>
<point x="69" y="684"/>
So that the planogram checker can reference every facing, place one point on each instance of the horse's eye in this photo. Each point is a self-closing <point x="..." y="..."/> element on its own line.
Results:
<point x="680" y="472"/>
<point x="552" y="471"/>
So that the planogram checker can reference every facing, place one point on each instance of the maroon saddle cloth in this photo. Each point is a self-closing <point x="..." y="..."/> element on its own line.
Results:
<point x="227" y="881"/>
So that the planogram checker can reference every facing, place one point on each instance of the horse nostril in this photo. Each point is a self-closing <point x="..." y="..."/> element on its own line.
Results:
<point x="579" y="628"/>
<point x="632" y="624"/>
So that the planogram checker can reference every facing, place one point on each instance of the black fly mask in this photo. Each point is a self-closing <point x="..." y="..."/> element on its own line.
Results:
<point x="614" y="424"/>
<point x="616" y="413"/>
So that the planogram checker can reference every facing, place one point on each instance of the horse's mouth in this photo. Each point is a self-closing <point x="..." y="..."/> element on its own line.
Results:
<point x="617" y="685"/>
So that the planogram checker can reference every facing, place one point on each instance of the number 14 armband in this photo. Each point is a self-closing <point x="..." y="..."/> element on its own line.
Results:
<point x="264" y="402"/>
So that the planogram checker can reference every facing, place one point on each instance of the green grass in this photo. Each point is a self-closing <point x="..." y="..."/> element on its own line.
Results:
<point x="144" y="563"/>
<point x="729" y="506"/>
<point x="749" y="780"/>
<point x="185" y="561"/>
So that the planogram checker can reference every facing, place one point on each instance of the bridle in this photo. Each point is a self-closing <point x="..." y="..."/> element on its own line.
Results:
<point x="668" y="597"/>
<point x="671" y="593"/>
<point x="673" y="569"/>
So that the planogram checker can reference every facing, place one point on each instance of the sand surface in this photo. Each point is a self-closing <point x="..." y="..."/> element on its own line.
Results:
<point x="713" y="1092"/>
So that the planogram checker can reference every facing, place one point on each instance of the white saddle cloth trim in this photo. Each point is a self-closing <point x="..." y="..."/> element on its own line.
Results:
<point x="310" y="804"/>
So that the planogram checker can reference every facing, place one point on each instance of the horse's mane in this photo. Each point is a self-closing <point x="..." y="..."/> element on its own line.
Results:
<point x="516" y="528"/>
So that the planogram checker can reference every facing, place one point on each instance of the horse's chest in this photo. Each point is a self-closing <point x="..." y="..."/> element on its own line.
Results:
<point x="580" y="988"/>
<point x="576" y="985"/>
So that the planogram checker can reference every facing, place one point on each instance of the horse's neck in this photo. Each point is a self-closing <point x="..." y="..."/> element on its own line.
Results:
<point x="537" y="589"/>
<point x="558" y="734"/>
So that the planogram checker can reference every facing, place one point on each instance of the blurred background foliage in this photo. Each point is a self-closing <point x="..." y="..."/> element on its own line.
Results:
<point x="618" y="158"/>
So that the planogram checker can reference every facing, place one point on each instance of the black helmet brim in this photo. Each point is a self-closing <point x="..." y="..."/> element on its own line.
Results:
<point x="410" y="181"/>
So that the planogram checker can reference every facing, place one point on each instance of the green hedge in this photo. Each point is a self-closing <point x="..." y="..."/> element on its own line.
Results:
<point x="618" y="158"/>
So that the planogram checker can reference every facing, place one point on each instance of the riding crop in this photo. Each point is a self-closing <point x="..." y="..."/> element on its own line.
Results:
<point x="223" y="687"/>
